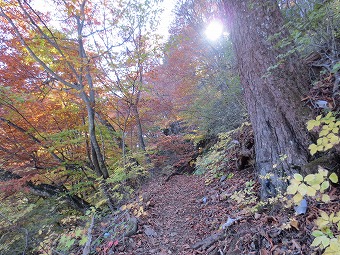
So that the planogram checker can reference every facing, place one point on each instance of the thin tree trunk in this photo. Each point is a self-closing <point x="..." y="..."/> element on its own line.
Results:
<point x="111" y="129"/>
<point x="139" y="128"/>
<point x="273" y="97"/>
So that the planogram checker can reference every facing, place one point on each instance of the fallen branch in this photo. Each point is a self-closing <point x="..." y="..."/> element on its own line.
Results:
<point x="87" y="248"/>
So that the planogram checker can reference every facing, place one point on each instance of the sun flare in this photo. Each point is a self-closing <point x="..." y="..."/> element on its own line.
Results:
<point x="214" y="30"/>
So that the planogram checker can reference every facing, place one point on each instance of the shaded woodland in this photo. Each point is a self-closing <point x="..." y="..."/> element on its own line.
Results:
<point x="119" y="138"/>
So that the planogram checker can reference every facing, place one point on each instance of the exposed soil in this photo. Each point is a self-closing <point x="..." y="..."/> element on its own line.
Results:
<point x="177" y="217"/>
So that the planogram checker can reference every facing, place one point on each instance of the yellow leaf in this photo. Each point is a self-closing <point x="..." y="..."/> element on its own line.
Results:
<point x="311" y="191"/>
<point x="335" y="130"/>
<point x="333" y="178"/>
<point x="334" y="247"/>
<point x="321" y="223"/>
<point x="322" y="171"/>
<point x="313" y="148"/>
<point x="302" y="189"/>
<point x="313" y="123"/>
<point x="334" y="139"/>
<point x="317" y="241"/>
<point x="324" y="215"/>
<point x="309" y="178"/>
<point x="297" y="198"/>
<point x="316" y="186"/>
<point x="320" y="148"/>
<point x="298" y="177"/>
<point x="328" y="146"/>
<point x="324" y="132"/>
<point x="325" y="198"/>
<point x="291" y="189"/>
<point x="329" y="115"/>
<point x="336" y="218"/>
<point x="295" y="182"/>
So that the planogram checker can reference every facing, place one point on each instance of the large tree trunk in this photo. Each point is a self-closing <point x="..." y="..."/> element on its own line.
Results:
<point x="273" y="88"/>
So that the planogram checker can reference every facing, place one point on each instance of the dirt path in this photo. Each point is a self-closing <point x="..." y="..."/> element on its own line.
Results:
<point x="177" y="218"/>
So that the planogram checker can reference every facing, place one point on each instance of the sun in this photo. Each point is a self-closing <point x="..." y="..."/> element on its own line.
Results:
<point x="214" y="30"/>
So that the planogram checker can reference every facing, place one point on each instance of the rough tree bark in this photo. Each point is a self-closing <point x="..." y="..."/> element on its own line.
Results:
<point x="273" y="88"/>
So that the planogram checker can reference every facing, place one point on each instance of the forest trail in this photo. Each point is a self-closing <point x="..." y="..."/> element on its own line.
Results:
<point x="177" y="217"/>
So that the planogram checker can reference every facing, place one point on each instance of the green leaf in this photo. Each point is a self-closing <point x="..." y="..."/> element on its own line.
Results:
<point x="324" y="186"/>
<point x="325" y="241"/>
<point x="336" y="68"/>
<point x="333" y="178"/>
<point x="298" y="177"/>
<point x="317" y="233"/>
<point x="83" y="240"/>
<point x="321" y="240"/>
<point x="69" y="243"/>
<point x="78" y="232"/>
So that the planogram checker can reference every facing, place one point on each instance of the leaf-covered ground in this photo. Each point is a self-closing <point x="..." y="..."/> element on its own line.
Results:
<point x="189" y="215"/>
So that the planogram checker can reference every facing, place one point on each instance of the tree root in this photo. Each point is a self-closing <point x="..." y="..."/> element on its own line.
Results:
<point x="207" y="242"/>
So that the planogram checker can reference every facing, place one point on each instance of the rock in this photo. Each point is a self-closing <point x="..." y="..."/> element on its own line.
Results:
<point x="257" y="216"/>
<point x="149" y="231"/>
<point x="223" y="178"/>
<point x="173" y="234"/>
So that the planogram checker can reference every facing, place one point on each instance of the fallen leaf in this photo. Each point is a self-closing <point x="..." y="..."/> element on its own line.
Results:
<point x="294" y="223"/>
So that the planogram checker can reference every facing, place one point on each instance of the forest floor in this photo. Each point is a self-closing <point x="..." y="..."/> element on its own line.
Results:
<point x="176" y="217"/>
<point x="191" y="215"/>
